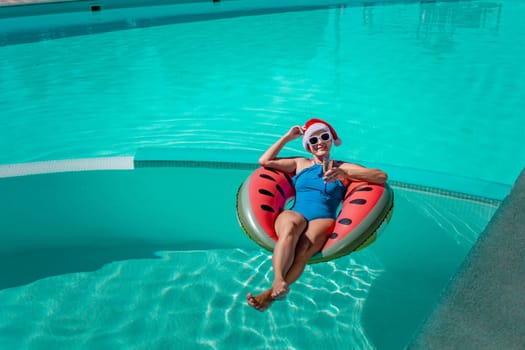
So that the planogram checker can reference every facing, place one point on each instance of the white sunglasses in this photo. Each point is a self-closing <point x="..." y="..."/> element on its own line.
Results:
<point x="314" y="140"/>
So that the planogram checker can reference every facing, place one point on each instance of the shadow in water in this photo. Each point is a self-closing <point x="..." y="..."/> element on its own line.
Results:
<point x="25" y="267"/>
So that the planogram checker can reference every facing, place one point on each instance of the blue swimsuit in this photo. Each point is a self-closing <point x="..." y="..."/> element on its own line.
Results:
<point x="314" y="198"/>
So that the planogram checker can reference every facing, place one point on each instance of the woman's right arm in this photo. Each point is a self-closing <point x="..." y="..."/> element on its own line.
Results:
<point x="269" y="158"/>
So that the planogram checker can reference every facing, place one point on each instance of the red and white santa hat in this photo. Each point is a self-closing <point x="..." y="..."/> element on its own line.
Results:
<point x="314" y="125"/>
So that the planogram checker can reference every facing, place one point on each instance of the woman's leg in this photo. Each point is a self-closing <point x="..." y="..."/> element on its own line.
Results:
<point x="289" y="226"/>
<point x="310" y="243"/>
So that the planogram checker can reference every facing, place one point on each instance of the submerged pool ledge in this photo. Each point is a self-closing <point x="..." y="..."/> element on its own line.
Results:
<point x="409" y="178"/>
<point x="483" y="306"/>
<point x="102" y="200"/>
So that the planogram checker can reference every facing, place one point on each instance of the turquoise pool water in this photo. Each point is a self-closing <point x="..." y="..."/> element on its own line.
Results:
<point x="430" y="88"/>
<point x="433" y="86"/>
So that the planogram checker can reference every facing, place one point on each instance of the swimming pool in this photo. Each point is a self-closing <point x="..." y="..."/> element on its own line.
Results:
<point x="429" y="91"/>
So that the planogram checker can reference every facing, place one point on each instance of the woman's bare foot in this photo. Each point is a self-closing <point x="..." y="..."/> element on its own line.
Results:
<point x="279" y="289"/>
<point x="262" y="301"/>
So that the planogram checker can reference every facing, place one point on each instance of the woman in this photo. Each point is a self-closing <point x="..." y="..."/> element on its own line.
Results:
<point x="303" y="230"/>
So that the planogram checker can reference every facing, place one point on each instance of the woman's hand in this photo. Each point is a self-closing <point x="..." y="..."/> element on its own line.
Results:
<point x="355" y="172"/>
<point x="334" y="174"/>
<point x="294" y="132"/>
<point x="269" y="158"/>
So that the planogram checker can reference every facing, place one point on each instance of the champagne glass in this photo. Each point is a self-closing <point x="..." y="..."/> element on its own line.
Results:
<point x="327" y="165"/>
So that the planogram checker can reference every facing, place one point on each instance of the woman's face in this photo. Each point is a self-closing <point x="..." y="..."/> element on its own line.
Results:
<point x="320" y="143"/>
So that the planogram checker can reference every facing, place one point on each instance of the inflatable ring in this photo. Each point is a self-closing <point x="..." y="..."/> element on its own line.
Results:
<point x="362" y="214"/>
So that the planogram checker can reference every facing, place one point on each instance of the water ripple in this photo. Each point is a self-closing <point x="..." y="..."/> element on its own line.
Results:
<point x="184" y="298"/>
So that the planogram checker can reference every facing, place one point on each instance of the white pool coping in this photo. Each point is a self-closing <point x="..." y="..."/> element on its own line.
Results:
<point x="68" y="165"/>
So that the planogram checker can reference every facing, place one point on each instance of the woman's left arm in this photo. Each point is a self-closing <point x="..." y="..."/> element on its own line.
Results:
<point x="355" y="172"/>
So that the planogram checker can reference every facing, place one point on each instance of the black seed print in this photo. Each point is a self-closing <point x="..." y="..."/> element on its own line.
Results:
<point x="333" y="235"/>
<point x="267" y="208"/>
<point x="359" y="201"/>
<point x="289" y="179"/>
<point x="280" y="190"/>
<point x="266" y="192"/>
<point x="364" y="189"/>
<point x="345" y="221"/>
<point x="266" y="176"/>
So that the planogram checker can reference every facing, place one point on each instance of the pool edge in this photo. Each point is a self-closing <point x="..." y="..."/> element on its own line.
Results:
<point x="483" y="307"/>
<point x="468" y="189"/>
